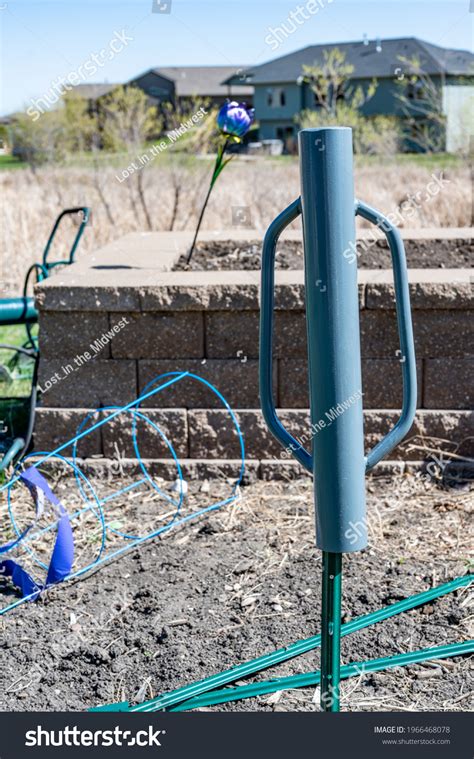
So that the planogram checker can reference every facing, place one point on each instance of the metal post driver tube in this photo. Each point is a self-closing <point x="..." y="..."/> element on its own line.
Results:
<point x="337" y="457"/>
<point x="334" y="365"/>
<point x="332" y="318"/>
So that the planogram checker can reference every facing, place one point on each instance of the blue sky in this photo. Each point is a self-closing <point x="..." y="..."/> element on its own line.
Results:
<point x="44" y="40"/>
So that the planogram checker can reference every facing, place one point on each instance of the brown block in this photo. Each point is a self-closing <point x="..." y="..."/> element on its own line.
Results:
<point x="161" y="335"/>
<point x="54" y="426"/>
<point x="96" y="383"/>
<point x="381" y="383"/>
<point x="449" y="383"/>
<point x="235" y="334"/>
<point x="236" y="379"/>
<point x="436" y="333"/>
<point x="118" y="441"/>
<point x="64" y="334"/>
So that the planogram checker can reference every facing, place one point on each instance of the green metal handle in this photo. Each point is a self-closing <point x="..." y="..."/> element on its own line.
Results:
<point x="266" y="334"/>
<point x="85" y="211"/>
<point x="405" y="330"/>
<point x="16" y="447"/>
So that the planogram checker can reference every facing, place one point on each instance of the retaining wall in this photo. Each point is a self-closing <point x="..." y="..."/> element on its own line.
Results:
<point x="207" y="323"/>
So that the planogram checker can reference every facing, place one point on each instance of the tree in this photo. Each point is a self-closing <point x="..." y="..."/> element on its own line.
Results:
<point x="338" y="103"/>
<point x="80" y="127"/>
<point x="201" y="138"/>
<point x="421" y="101"/>
<point x="129" y="121"/>
<point x="39" y="142"/>
<point x="329" y="82"/>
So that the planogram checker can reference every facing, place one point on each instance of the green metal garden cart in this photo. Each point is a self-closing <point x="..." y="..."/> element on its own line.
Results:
<point x="19" y="363"/>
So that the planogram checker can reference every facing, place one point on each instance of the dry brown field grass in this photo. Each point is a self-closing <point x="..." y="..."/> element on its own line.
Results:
<point x="174" y="191"/>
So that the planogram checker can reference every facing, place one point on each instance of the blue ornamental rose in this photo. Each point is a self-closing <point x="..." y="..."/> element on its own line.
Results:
<point x="235" y="119"/>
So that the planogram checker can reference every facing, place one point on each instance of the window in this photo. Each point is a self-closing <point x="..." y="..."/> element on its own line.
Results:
<point x="276" y="97"/>
<point x="415" y="91"/>
<point x="157" y="92"/>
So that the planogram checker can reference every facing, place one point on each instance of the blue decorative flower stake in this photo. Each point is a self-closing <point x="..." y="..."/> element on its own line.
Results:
<point x="233" y="121"/>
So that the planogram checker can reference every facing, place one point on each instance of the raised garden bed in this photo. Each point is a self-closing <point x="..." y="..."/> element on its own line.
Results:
<point x="207" y="322"/>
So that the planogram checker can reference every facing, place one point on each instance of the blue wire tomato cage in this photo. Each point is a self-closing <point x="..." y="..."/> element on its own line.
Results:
<point x="112" y="541"/>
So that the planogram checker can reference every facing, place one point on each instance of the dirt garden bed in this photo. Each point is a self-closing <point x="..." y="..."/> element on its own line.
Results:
<point x="242" y="582"/>
<point x="421" y="254"/>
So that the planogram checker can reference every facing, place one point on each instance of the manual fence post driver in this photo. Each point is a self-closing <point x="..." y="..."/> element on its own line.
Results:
<point x="337" y="459"/>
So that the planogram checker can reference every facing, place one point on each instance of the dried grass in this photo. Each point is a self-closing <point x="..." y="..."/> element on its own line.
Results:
<point x="175" y="191"/>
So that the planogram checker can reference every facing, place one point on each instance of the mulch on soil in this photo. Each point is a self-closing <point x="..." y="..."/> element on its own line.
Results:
<point x="239" y="583"/>
<point x="421" y="254"/>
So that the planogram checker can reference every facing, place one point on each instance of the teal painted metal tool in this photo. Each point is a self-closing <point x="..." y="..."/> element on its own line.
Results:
<point x="337" y="460"/>
<point x="22" y="310"/>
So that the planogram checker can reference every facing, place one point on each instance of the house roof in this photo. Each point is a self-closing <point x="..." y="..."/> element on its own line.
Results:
<point x="368" y="58"/>
<point x="94" y="91"/>
<point x="203" y="80"/>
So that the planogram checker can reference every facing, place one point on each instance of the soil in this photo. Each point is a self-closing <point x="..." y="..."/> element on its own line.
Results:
<point x="241" y="582"/>
<point x="421" y="254"/>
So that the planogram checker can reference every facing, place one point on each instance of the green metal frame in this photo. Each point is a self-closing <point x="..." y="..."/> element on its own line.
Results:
<point x="22" y="310"/>
<point x="331" y="631"/>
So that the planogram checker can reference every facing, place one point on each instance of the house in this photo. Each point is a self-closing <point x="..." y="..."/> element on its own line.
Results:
<point x="280" y="93"/>
<point x="93" y="93"/>
<point x="181" y="83"/>
<point x="177" y="84"/>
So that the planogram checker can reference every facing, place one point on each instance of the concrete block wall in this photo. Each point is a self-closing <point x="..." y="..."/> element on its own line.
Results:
<point x="207" y="323"/>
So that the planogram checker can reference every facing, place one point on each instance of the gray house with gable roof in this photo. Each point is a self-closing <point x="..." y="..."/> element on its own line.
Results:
<point x="280" y="94"/>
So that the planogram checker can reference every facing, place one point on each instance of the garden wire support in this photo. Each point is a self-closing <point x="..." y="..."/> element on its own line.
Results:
<point x="93" y="508"/>
<point x="337" y="458"/>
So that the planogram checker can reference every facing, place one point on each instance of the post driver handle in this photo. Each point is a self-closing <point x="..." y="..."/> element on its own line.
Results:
<point x="405" y="332"/>
<point x="405" y="329"/>
<point x="266" y="335"/>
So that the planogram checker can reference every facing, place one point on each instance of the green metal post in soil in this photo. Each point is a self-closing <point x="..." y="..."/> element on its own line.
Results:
<point x="331" y="631"/>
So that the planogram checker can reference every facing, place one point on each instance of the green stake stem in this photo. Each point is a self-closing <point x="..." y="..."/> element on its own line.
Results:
<point x="331" y="631"/>
<point x="218" y="166"/>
